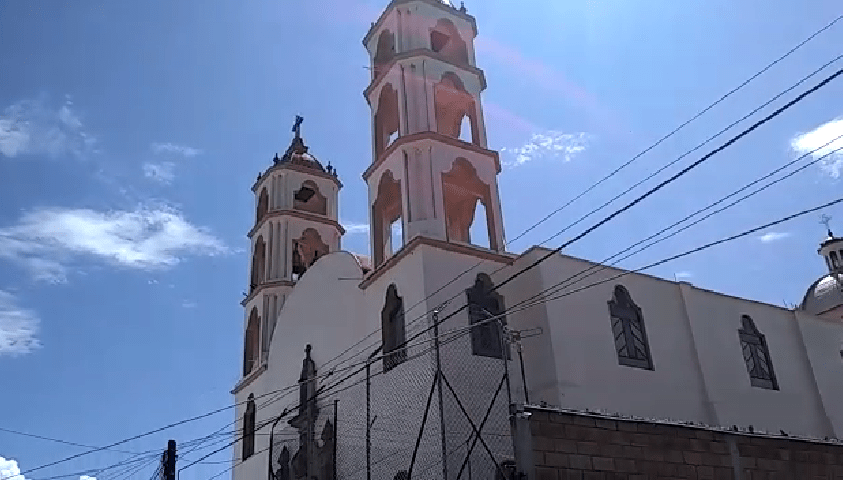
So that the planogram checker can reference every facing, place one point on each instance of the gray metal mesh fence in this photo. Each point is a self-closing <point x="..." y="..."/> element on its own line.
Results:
<point x="399" y="420"/>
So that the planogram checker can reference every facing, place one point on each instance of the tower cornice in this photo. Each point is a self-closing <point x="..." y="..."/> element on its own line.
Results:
<point x="264" y="286"/>
<point x="417" y="53"/>
<point x="289" y="212"/>
<point x="297" y="168"/>
<point x="480" y="253"/>
<point x="436" y="3"/>
<point x="422" y="137"/>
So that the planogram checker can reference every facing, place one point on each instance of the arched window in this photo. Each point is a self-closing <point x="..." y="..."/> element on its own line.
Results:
<point x="252" y="339"/>
<point x="258" y="263"/>
<point x="462" y="189"/>
<point x="628" y="329"/>
<point x="385" y="51"/>
<point x="306" y="250"/>
<point x="263" y="205"/>
<point x="309" y="199"/>
<point x="386" y="210"/>
<point x="484" y="305"/>
<point x="756" y="355"/>
<point x="393" y="329"/>
<point x="453" y="105"/>
<point x="445" y="40"/>
<point x="249" y="428"/>
<point x="386" y="118"/>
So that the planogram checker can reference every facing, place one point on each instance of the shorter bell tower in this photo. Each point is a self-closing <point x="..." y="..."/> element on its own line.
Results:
<point x="296" y="212"/>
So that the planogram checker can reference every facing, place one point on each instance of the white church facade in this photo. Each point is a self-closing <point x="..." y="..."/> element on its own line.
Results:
<point x="634" y="344"/>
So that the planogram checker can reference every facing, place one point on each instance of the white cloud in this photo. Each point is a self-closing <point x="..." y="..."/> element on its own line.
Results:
<point x="18" y="328"/>
<point x="175" y="149"/>
<point x="46" y="240"/>
<point x="683" y="275"/>
<point x="31" y="127"/>
<point x="549" y="145"/>
<point x="86" y="477"/>
<point x="188" y="304"/>
<point x="162" y="172"/>
<point x="827" y="133"/>
<point x="9" y="470"/>
<point x="355" y="228"/>
<point x="773" y="236"/>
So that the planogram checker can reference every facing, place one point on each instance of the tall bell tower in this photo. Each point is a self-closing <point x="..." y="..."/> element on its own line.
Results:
<point x="431" y="170"/>
<point x="296" y="205"/>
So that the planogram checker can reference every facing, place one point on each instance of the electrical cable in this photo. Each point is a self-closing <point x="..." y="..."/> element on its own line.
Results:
<point x="601" y="265"/>
<point x="611" y="174"/>
<point x="658" y="187"/>
<point x="517" y="273"/>
<point x="663" y="168"/>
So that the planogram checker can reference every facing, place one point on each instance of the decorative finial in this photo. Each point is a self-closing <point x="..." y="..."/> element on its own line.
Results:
<point x="297" y="126"/>
<point x="462" y="7"/>
<point x="307" y="350"/>
<point x="826" y="220"/>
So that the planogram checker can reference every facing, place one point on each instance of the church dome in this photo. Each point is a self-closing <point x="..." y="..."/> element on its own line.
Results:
<point x="827" y="292"/>
<point x="297" y="153"/>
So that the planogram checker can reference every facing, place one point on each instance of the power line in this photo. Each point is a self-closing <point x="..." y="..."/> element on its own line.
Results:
<point x="512" y="277"/>
<point x="695" y="250"/>
<point x="601" y="265"/>
<point x="652" y="175"/>
<point x="614" y="172"/>
<point x="56" y="440"/>
<point x="658" y="187"/>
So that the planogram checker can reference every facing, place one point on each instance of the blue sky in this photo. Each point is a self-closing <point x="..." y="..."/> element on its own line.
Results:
<point x="131" y="132"/>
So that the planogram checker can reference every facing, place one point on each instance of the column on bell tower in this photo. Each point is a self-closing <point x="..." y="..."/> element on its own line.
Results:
<point x="296" y="223"/>
<point x="431" y="167"/>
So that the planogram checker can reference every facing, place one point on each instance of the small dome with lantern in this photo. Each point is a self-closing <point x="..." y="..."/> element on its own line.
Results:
<point x="826" y="294"/>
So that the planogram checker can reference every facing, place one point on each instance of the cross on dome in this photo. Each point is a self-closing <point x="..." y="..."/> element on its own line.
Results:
<point x="297" y="126"/>
<point x="826" y="220"/>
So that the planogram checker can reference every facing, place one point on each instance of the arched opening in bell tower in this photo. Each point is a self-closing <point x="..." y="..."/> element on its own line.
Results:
<point x="445" y="40"/>
<point x="309" y="199"/>
<point x="463" y="191"/>
<point x="454" y="105"/>
<point x="386" y="118"/>
<point x="385" y="52"/>
<point x="307" y="249"/>
<point x="478" y="233"/>
<point x="250" y="343"/>
<point x="258" y="263"/>
<point x="386" y="211"/>
<point x="263" y="205"/>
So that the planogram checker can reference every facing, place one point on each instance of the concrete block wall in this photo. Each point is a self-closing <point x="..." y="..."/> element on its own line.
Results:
<point x="569" y="445"/>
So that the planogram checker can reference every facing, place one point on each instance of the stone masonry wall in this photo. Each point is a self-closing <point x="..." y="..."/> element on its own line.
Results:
<point x="568" y="445"/>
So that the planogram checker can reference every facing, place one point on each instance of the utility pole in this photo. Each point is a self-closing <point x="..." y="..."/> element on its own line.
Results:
<point x="439" y="388"/>
<point x="169" y="467"/>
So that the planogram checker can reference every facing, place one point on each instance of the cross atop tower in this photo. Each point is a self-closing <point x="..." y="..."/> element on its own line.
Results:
<point x="297" y="126"/>
<point x="826" y="220"/>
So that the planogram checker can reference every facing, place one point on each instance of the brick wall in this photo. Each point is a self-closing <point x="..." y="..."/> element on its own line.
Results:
<point x="569" y="445"/>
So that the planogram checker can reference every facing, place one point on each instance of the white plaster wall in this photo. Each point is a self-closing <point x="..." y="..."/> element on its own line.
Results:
<point x="823" y="340"/>
<point x="715" y="320"/>
<point x="586" y="362"/>
<point x="256" y="465"/>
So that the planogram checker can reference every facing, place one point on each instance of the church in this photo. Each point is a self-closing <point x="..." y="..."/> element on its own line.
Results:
<point x="457" y="343"/>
